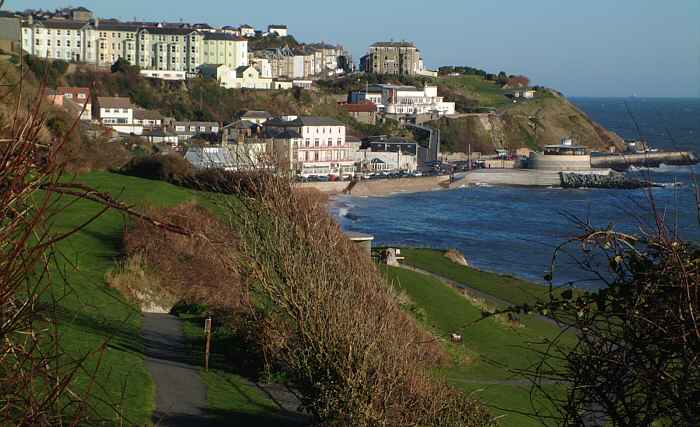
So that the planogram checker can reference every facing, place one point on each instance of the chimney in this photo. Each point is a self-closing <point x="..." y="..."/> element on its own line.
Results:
<point x="97" y="22"/>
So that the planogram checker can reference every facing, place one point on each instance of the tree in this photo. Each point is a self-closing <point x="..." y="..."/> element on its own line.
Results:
<point x="637" y="358"/>
<point x="518" y="81"/>
<point x="123" y="66"/>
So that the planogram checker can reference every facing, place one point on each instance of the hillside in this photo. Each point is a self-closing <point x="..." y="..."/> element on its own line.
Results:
<point x="532" y="123"/>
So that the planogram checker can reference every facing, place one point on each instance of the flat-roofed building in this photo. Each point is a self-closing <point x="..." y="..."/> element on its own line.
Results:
<point x="397" y="58"/>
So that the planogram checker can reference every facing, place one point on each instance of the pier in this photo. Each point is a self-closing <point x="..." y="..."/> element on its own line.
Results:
<point x="621" y="162"/>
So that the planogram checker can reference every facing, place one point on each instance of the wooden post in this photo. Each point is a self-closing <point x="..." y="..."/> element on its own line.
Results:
<point x="207" y="332"/>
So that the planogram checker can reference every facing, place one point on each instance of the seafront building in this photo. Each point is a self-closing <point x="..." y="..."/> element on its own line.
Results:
<point x="404" y="100"/>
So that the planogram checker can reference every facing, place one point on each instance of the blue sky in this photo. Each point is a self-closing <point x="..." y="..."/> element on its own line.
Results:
<point x="582" y="48"/>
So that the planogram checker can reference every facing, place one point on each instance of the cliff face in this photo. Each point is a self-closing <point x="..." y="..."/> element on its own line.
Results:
<point x="533" y="123"/>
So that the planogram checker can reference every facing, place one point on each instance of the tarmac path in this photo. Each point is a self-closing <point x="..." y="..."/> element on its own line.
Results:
<point x="181" y="396"/>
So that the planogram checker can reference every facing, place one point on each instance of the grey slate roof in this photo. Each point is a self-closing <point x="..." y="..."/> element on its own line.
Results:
<point x="320" y="121"/>
<point x="394" y="44"/>
<point x="256" y="114"/>
<point x="221" y="36"/>
<point x="63" y="24"/>
<point x="170" y="31"/>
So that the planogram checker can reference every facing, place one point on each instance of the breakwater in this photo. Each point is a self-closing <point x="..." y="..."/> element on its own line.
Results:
<point x="613" y="180"/>
<point x="622" y="162"/>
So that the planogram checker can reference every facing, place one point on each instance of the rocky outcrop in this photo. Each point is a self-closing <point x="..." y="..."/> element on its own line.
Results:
<point x="456" y="257"/>
<point x="532" y="124"/>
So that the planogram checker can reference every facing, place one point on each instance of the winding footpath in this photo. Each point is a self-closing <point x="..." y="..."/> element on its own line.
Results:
<point x="181" y="396"/>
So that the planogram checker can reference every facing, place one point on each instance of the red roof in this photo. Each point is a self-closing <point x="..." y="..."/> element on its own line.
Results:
<point x="62" y="91"/>
<point x="365" y="107"/>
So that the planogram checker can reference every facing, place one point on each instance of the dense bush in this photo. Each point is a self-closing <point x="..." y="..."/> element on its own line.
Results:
<point x="168" y="167"/>
<point x="51" y="70"/>
<point x="333" y="324"/>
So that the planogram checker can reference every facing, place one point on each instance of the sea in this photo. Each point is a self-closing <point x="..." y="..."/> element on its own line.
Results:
<point x="517" y="231"/>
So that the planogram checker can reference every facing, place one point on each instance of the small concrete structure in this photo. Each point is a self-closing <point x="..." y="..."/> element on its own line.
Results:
<point x="362" y="240"/>
<point x="563" y="157"/>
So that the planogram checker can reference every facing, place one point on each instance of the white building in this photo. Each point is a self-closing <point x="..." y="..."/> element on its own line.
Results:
<point x="117" y="113"/>
<point x="246" y="31"/>
<point x="59" y="39"/>
<point x="372" y="161"/>
<point x="164" y="74"/>
<point x="405" y="100"/>
<point x="318" y="145"/>
<point x="278" y="30"/>
<point x="244" y="77"/>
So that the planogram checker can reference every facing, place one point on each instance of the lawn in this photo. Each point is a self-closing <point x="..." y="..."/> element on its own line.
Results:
<point x="508" y="288"/>
<point x="487" y="93"/>
<point x="90" y="313"/>
<point x="490" y="347"/>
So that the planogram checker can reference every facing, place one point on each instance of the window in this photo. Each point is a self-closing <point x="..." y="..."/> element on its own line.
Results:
<point x="81" y="96"/>
<point x="202" y="129"/>
<point x="58" y="43"/>
<point x="193" y="128"/>
<point x="68" y="43"/>
<point x="215" y="129"/>
<point x="78" y="43"/>
<point x="307" y="142"/>
<point x="316" y="156"/>
<point x="58" y="32"/>
<point x="330" y="142"/>
<point x="48" y="42"/>
<point x="37" y="42"/>
<point x="317" y="143"/>
<point x="68" y="95"/>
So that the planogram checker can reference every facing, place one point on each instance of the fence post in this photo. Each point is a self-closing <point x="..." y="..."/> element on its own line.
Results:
<point x="207" y="332"/>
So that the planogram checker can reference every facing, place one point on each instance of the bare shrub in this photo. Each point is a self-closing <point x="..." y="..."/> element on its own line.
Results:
<point x="195" y="268"/>
<point x="333" y="323"/>
<point x="36" y="380"/>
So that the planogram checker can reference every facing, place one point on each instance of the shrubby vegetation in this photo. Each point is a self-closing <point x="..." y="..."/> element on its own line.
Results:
<point x="638" y="353"/>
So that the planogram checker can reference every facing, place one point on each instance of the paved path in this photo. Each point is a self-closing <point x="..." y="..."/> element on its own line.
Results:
<point x="181" y="396"/>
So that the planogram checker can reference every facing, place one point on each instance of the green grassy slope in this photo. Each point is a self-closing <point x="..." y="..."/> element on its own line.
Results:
<point x="508" y="288"/>
<point x="486" y="93"/>
<point x="490" y="348"/>
<point x="91" y="313"/>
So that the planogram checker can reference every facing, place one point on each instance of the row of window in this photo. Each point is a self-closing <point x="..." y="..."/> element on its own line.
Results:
<point x="333" y="129"/>
<point x="318" y="143"/>
<point x="58" y="43"/>
<point x="323" y="156"/>
<point x="202" y="129"/>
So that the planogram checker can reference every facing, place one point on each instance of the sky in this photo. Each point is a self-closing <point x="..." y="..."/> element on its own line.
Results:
<point x="647" y="48"/>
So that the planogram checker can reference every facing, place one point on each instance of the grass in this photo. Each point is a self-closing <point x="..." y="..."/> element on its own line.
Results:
<point x="487" y="93"/>
<point x="230" y="396"/>
<point x="90" y="313"/>
<point x="489" y="350"/>
<point x="508" y="288"/>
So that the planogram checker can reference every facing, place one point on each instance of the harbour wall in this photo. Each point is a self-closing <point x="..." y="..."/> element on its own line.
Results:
<point x="623" y="161"/>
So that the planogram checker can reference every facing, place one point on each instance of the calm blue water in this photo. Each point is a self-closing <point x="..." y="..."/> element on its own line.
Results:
<point x="515" y="230"/>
